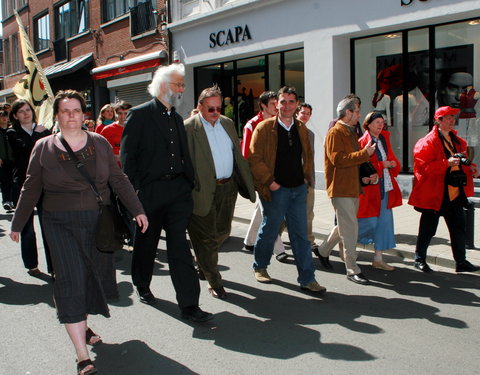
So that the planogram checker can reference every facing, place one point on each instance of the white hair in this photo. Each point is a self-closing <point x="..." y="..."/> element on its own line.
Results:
<point x="163" y="74"/>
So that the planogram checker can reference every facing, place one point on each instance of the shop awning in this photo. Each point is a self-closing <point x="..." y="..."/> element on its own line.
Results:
<point x="149" y="60"/>
<point x="68" y="67"/>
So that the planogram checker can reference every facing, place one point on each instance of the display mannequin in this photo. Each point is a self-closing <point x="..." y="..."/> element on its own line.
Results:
<point x="468" y="122"/>
<point x="381" y="104"/>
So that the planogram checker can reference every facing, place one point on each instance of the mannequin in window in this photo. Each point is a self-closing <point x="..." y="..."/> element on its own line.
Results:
<point x="381" y="103"/>
<point x="468" y="116"/>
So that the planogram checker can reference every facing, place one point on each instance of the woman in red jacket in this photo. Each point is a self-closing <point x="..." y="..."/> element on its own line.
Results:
<point x="375" y="218"/>
<point x="442" y="183"/>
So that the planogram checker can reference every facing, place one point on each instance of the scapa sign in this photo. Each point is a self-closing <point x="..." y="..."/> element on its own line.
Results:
<point x="408" y="2"/>
<point x="226" y="37"/>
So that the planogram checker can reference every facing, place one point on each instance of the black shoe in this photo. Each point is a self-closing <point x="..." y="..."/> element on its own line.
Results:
<point x="248" y="247"/>
<point x="282" y="257"/>
<point x="219" y="292"/>
<point x="196" y="314"/>
<point x="465" y="266"/>
<point x="325" y="262"/>
<point x="422" y="266"/>
<point x="315" y="250"/>
<point x="146" y="296"/>
<point x="359" y="278"/>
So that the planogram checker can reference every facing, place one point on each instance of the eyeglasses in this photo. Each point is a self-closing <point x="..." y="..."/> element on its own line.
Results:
<point x="178" y="84"/>
<point x="213" y="109"/>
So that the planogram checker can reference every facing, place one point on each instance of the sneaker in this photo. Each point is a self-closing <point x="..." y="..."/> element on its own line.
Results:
<point x="8" y="206"/>
<point x="314" y="287"/>
<point x="282" y="257"/>
<point x="262" y="275"/>
<point x="465" y="266"/>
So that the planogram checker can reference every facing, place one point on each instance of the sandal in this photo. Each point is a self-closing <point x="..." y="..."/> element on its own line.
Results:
<point x="92" y="338"/>
<point x="82" y="367"/>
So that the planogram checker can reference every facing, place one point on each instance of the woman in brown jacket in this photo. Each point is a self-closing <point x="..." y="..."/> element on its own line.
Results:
<point x="84" y="277"/>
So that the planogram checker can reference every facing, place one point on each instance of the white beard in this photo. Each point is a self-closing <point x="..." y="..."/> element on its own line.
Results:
<point x="174" y="99"/>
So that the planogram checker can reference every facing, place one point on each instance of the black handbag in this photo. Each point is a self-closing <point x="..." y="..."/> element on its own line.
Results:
<point x="110" y="229"/>
<point x="366" y="170"/>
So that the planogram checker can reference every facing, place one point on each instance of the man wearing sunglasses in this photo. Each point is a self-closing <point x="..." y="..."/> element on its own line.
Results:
<point x="220" y="173"/>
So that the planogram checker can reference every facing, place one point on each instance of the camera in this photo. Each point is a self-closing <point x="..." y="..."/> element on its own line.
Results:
<point x="463" y="159"/>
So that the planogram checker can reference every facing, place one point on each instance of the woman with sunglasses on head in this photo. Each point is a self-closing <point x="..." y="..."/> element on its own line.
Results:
<point x="22" y="137"/>
<point x="106" y="117"/>
<point x="85" y="277"/>
<point x="375" y="217"/>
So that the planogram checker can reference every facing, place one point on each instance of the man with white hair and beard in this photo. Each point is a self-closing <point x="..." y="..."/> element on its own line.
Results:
<point x="154" y="155"/>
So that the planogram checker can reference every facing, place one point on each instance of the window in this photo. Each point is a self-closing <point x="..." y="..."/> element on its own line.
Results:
<point x="407" y="75"/>
<point x="116" y="8"/>
<point x="42" y="32"/>
<point x="142" y="18"/>
<point x="7" y="67"/>
<point x="71" y="18"/>
<point x="16" y="64"/>
<point x="8" y="6"/>
<point x="242" y="81"/>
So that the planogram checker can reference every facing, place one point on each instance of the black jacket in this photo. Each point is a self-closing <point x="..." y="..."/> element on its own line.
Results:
<point x="142" y="154"/>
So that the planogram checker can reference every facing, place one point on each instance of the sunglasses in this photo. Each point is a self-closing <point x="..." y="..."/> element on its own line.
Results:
<point x="214" y="109"/>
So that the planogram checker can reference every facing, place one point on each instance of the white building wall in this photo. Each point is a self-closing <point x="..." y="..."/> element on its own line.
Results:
<point x="322" y="27"/>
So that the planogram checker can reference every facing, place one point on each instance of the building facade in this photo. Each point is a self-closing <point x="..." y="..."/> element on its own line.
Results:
<point x="106" y="49"/>
<point x="404" y="58"/>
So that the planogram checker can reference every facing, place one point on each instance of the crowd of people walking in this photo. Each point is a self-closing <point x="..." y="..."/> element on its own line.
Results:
<point x="184" y="177"/>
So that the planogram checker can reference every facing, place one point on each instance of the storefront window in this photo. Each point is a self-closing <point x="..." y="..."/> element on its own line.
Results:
<point x="379" y="82"/>
<point x="410" y="83"/>
<point x="242" y="81"/>
<point x="459" y="77"/>
<point x="294" y="74"/>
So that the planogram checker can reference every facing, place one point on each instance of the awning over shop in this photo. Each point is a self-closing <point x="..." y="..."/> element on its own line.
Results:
<point x="149" y="60"/>
<point x="68" y="67"/>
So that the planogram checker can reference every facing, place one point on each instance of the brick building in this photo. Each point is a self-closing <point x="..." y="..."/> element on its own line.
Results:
<point x="107" y="49"/>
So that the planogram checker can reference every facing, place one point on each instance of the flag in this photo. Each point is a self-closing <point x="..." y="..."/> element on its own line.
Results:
<point x="34" y="86"/>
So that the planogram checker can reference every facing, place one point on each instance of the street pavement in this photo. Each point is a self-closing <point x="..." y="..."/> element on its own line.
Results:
<point x="406" y="322"/>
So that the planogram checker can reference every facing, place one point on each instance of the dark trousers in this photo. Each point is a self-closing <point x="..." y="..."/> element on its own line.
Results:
<point x="28" y="244"/>
<point x="454" y="217"/>
<point x="168" y="205"/>
<point x="207" y="233"/>
<point x="6" y="181"/>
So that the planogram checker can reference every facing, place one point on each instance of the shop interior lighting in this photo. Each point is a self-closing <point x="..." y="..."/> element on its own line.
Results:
<point x="392" y="36"/>
<point x="474" y="22"/>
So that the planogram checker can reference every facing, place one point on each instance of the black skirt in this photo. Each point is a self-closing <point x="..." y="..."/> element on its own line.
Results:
<point x="84" y="277"/>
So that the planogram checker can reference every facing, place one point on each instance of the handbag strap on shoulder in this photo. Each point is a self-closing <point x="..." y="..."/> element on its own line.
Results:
<point x="81" y="168"/>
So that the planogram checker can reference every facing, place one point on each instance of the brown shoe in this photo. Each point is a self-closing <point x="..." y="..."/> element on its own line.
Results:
<point x="219" y="292"/>
<point x="314" y="287"/>
<point x="382" y="266"/>
<point x="262" y="275"/>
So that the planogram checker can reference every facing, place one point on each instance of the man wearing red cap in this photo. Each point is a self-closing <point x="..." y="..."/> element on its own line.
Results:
<point x="442" y="182"/>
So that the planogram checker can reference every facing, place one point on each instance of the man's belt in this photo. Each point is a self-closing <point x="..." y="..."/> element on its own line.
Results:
<point x="223" y="181"/>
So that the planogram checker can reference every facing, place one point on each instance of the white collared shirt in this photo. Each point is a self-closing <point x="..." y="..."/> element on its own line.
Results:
<point x="221" y="147"/>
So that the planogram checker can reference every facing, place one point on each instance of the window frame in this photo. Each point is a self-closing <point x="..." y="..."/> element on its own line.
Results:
<point x="127" y="4"/>
<point x="71" y="28"/>
<point x="37" y="45"/>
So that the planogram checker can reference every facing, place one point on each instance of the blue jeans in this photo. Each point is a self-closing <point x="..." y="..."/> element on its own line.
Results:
<point x="289" y="204"/>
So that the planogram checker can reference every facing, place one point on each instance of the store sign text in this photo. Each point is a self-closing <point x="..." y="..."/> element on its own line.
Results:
<point x="408" y="2"/>
<point x="230" y="36"/>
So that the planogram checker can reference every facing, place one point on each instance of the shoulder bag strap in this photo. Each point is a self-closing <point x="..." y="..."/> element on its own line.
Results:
<point x="81" y="168"/>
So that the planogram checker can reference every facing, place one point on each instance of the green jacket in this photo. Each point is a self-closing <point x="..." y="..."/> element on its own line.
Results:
<point x="204" y="167"/>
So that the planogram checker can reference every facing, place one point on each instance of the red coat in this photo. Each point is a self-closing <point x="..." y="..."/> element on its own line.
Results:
<point x="370" y="199"/>
<point x="429" y="169"/>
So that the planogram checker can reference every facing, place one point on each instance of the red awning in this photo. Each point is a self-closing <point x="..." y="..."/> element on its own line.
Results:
<point x="150" y="60"/>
